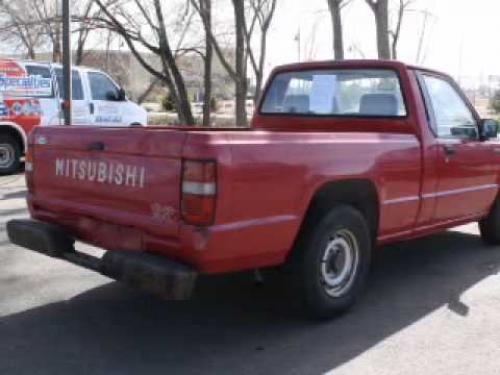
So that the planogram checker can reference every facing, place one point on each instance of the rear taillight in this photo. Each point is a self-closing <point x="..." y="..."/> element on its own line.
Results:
<point x="199" y="190"/>
<point x="28" y="169"/>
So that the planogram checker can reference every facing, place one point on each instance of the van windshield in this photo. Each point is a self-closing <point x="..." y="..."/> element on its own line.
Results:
<point x="354" y="93"/>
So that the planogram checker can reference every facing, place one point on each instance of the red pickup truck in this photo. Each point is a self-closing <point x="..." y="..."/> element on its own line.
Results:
<point x="341" y="157"/>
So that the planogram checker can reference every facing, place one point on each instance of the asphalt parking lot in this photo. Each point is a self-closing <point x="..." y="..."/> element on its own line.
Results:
<point x="432" y="307"/>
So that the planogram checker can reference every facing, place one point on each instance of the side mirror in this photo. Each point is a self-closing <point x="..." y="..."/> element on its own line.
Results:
<point x="464" y="132"/>
<point x="489" y="129"/>
<point x="122" y="95"/>
<point x="116" y="96"/>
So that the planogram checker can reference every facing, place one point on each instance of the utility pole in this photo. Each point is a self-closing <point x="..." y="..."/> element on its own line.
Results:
<point x="67" y="100"/>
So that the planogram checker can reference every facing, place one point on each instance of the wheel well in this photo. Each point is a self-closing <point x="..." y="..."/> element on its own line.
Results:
<point x="14" y="134"/>
<point x="360" y="194"/>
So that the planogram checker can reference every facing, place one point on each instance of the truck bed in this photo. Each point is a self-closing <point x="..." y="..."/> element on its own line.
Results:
<point x="120" y="188"/>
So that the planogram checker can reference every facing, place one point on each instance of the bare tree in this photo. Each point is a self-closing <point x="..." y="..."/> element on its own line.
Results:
<point x="36" y="24"/>
<point x="204" y="9"/>
<point x="335" y="7"/>
<point x="152" y="85"/>
<point x="238" y="70"/>
<point x="380" y="10"/>
<point x="421" y="55"/>
<point x="129" y="19"/>
<point x="240" y="63"/>
<point x="402" y="9"/>
<point x="19" y="26"/>
<point x="207" y="77"/>
<point x="262" y="13"/>
<point x="84" y="14"/>
<point x="49" y="18"/>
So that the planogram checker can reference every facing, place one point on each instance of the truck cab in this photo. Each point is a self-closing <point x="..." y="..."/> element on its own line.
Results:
<point x="30" y="96"/>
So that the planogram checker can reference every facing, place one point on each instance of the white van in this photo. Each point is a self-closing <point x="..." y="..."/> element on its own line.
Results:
<point x="30" y="96"/>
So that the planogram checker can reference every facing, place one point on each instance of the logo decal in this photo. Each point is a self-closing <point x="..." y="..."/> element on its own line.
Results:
<point x="163" y="213"/>
<point x="15" y="81"/>
<point x="101" y="172"/>
<point x="18" y="92"/>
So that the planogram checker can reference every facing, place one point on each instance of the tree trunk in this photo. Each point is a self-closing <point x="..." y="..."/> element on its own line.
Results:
<point x="207" y="78"/>
<point x="241" y="85"/>
<point x="79" y="54"/>
<point x="31" y="53"/>
<point x="148" y="91"/>
<point x="397" y="32"/>
<point x="382" y="21"/>
<point x="182" y="101"/>
<point x="338" y="38"/>
<point x="394" y="48"/>
<point x="80" y="48"/>
<point x="56" y="45"/>
<point x="380" y="10"/>
<point x="260" y="72"/>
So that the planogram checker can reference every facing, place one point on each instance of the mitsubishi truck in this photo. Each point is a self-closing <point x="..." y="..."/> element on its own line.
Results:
<point x="340" y="158"/>
<point x="30" y="96"/>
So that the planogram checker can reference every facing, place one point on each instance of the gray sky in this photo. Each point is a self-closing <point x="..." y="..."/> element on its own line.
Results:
<point x="460" y="38"/>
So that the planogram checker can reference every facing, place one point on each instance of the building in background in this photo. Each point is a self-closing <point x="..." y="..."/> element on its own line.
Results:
<point x="124" y="68"/>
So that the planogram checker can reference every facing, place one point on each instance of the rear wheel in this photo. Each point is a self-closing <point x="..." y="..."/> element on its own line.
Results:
<point x="332" y="262"/>
<point x="489" y="227"/>
<point x="10" y="154"/>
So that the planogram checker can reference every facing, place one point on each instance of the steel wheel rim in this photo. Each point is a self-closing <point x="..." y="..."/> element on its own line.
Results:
<point x="7" y="155"/>
<point x="339" y="263"/>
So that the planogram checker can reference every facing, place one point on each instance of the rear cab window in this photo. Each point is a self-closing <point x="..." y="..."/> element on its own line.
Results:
<point x="336" y="92"/>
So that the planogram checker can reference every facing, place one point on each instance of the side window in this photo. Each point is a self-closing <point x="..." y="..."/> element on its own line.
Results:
<point x="36" y="70"/>
<point x="43" y="72"/>
<point x="76" y="86"/>
<point x="452" y="116"/>
<point x="102" y="87"/>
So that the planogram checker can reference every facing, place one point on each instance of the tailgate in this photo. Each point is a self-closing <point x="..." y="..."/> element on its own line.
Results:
<point x="121" y="176"/>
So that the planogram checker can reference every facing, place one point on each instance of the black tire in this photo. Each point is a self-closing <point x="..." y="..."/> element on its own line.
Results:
<point x="10" y="154"/>
<point x="489" y="227"/>
<point x="311" y="262"/>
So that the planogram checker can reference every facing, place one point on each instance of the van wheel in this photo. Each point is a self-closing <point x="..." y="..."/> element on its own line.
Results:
<point x="10" y="154"/>
<point x="332" y="262"/>
<point x="489" y="227"/>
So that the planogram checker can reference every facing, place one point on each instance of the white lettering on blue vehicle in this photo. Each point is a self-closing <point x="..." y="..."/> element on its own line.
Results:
<point x="25" y="86"/>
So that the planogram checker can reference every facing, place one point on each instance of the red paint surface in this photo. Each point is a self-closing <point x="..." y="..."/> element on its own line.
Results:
<point x="267" y="177"/>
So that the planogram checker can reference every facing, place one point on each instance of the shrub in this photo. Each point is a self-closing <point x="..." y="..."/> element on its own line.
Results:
<point x="214" y="105"/>
<point x="167" y="103"/>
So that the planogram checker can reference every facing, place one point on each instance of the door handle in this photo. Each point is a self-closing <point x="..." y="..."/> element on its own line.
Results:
<point x="91" y="108"/>
<point x="449" y="150"/>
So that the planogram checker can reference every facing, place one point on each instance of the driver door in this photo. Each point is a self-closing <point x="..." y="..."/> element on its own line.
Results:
<point x="466" y="167"/>
<point x="106" y="107"/>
